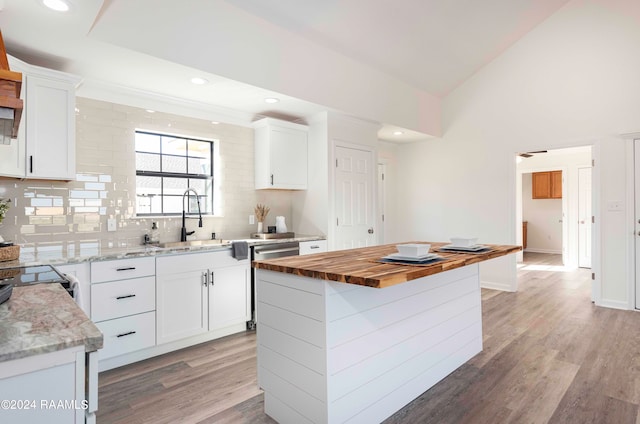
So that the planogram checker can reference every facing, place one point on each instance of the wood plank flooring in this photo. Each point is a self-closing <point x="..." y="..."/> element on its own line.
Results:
<point x="550" y="356"/>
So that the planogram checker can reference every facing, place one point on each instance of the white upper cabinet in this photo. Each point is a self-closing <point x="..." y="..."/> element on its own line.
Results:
<point x="280" y="155"/>
<point x="46" y="143"/>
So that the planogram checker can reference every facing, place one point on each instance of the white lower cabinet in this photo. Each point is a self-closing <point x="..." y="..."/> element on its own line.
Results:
<point x="33" y="388"/>
<point x="200" y="292"/>
<point x="229" y="296"/>
<point x="127" y="334"/>
<point x="182" y="303"/>
<point x="311" y="247"/>
<point x="123" y="304"/>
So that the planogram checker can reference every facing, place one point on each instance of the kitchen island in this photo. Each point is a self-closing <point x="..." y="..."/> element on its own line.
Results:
<point x="48" y="358"/>
<point x="345" y="338"/>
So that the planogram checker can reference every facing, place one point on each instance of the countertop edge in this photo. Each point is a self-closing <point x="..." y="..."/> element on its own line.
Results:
<point x="136" y="252"/>
<point x="27" y="329"/>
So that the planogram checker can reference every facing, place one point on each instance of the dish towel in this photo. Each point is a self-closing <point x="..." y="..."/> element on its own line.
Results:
<point x="240" y="250"/>
<point x="75" y="286"/>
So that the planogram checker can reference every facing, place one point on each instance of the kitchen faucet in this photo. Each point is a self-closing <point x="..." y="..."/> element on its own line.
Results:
<point x="183" y="232"/>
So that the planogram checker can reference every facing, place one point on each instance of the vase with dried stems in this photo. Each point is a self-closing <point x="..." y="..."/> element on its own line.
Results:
<point x="261" y="212"/>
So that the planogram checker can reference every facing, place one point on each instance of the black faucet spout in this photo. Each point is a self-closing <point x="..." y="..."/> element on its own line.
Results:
<point x="183" y="230"/>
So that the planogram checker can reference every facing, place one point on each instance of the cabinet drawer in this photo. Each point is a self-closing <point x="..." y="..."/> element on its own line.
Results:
<point x="122" y="268"/>
<point x="121" y="298"/>
<point x="224" y="259"/>
<point x="316" y="246"/>
<point x="128" y="334"/>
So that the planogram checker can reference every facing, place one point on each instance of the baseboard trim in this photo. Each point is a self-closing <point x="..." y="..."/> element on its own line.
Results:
<point x="614" y="304"/>
<point x="534" y="250"/>
<point x="495" y="286"/>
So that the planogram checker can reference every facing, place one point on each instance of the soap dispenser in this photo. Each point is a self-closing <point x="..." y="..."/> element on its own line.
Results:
<point x="155" y="233"/>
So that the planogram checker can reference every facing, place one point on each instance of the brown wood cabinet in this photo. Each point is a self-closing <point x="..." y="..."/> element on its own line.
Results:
<point x="546" y="185"/>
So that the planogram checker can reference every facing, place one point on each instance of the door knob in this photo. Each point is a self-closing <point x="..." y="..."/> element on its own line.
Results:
<point x="371" y="230"/>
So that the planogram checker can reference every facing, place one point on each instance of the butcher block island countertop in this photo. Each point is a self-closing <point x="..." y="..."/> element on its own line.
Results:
<point x="360" y="266"/>
<point x="330" y="352"/>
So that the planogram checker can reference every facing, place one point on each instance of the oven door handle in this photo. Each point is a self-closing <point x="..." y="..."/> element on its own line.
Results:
<point x="269" y="251"/>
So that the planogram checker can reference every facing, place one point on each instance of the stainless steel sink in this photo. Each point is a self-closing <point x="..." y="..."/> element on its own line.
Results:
<point x="192" y="243"/>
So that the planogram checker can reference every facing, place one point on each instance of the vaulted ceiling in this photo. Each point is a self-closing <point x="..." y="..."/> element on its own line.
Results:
<point x="430" y="46"/>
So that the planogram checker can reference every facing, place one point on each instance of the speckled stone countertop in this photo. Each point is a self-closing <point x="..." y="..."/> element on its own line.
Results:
<point x="31" y="255"/>
<point x="43" y="318"/>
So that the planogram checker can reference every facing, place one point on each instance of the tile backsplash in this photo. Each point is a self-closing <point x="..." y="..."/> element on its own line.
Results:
<point x="67" y="217"/>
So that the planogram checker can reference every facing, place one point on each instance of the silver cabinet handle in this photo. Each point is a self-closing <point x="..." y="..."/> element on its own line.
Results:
<point x="205" y="279"/>
<point x="315" y="246"/>
<point x="212" y="279"/>
<point x="271" y="179"/>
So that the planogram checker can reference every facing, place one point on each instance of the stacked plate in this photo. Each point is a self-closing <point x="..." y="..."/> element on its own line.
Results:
<point x="461" y="244"/>
<point x="416" y="252"/>
<point x="402" y="258"/>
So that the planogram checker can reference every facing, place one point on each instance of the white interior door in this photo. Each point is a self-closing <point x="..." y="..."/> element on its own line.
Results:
<point x="354" y="198"/>
<point x="584" y="217"/>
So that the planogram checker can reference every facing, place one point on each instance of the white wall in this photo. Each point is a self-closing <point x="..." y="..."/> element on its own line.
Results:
<point x="571" y="81"/>
<point x="313" y="210"/>
<point x="544" y="220"/>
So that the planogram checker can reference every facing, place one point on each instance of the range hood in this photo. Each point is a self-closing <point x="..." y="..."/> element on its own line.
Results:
<point x="10" y="102"/>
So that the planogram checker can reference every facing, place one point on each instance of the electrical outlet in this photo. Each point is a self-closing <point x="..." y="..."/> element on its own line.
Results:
<point x="111" y="224"/>
<point x="252" y="219"/>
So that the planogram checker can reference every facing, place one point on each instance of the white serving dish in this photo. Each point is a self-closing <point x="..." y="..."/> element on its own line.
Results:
<point x="399" y="257"/>
<point x="463" y="241"/>
<point x="474" y="248"/>
<point x="413" y="250"/>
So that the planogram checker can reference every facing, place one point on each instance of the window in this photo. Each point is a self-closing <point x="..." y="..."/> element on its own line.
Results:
<point x="166" y="166"/>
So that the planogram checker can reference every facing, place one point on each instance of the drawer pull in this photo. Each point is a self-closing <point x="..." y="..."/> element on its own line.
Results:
<point x="125" y="297"/>
<point x="314" y="247"/>
<point x="126" y="334"/>
<point x="129" y="268"/>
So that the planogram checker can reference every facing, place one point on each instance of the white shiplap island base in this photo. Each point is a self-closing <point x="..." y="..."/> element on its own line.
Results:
<point x="341" y="353"/>
<point x="330" y="352"/>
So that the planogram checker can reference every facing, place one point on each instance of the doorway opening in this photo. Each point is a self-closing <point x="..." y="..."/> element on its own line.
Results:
<point x="554" y="206"/>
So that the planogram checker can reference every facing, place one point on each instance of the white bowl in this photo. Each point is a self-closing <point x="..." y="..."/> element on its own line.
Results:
<point x="464" y="241"/>
<point x="413" y="249"/>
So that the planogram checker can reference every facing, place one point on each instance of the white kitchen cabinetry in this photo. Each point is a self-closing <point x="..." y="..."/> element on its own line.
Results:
<point x="311" y="247"/>
<point x="45" y="147"/>
<point x="123" y="304"/>
<point x="199" y="293"/>
<point x="34" y="387"/>
<point x="280" y="155"/>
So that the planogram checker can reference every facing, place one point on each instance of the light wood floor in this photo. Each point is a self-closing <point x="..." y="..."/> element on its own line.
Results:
<point x="550" y="356"/>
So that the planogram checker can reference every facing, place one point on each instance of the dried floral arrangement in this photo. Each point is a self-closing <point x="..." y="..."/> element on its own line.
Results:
<point x="4" y="207"/>
<point x="261" y="212"/>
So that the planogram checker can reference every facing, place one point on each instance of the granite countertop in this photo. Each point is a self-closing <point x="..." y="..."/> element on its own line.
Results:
<point x="43" y="318"/>
<point x="361" y="266"/>
<point x="63" y="256"/>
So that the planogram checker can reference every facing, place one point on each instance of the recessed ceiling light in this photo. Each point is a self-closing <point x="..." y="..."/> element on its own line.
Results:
<point x="57" y="5"/>
<point x="271" y="100"/>
<point x="199" y="81"/>
<point x="151" y="111"/>
<point x="398" y="133"/>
